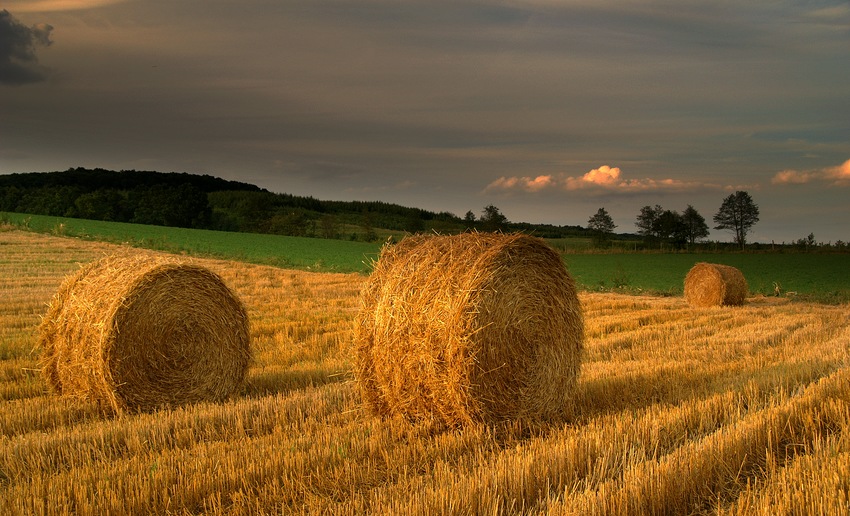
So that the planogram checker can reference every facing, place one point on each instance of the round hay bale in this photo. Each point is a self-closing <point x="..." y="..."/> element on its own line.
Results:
<point x="477" y="327"/>
<point x="711" y="284"/>
<point x="138" y="332"/>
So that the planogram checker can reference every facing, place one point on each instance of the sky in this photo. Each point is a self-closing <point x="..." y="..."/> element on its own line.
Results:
<point x="546" y="109"/>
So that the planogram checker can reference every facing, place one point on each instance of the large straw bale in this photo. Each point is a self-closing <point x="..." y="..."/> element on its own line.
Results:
<point x="140" y="331"/>
<point x="712" y="284"/>
<point x="477" y="327"/>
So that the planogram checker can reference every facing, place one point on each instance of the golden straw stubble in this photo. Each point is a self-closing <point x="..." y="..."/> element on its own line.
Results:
<point x="712" y="284"/>
<point x="477" y="327"/>
<point x="137" y="331"/>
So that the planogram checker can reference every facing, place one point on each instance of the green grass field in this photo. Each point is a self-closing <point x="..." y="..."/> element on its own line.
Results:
<point x="809" y="276"/>
<point x="314" y="254"/>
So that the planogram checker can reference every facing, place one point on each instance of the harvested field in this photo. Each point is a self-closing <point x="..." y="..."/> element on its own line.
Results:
<point x="720" y="410"/>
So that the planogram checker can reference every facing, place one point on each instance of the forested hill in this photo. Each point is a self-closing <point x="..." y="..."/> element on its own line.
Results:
<point x="203" y="201"/>
<point x="88" y="180"/>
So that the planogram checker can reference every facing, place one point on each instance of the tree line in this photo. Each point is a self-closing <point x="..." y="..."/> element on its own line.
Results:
<point x="206" y="202"/>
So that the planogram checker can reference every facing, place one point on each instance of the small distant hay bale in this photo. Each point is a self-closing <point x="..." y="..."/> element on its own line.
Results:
<point x="477" y="327"/>
<point x="136" y="332"/>
<point x="711" y="284"/>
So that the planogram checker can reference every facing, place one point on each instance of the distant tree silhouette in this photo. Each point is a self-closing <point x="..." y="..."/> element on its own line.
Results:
<point x="647" y="222"/>
<point x="655" y="223"/>
<point x="492" y="219"/>
<point x="695" y="226"/>
<point x="469" y="220"/>
<point x="601" y="226"/>
<point x="738" y="213"/>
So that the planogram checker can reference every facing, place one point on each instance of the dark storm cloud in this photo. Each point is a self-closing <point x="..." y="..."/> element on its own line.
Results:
<point x="18" y="62"/>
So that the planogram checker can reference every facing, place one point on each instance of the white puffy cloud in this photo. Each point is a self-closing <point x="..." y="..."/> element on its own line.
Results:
<point x="835" y="176"/>
<point x="603" y="180"/>
<point x="840" y="175"/>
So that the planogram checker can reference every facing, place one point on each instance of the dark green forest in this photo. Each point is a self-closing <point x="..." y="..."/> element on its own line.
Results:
<point x="206" y="202"/>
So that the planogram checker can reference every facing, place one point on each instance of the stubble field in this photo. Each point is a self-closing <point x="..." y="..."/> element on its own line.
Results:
<point x="679" y="410"/>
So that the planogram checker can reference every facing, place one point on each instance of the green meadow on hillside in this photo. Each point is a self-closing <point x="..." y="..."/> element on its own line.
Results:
<point x="302" y="253"/>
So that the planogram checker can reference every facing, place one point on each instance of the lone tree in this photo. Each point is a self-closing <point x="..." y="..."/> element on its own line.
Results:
<point x="601" y="225"/>
<point x="738" y="213"/>
<point x="695" y="226"/>
<point x="492" y="219"/>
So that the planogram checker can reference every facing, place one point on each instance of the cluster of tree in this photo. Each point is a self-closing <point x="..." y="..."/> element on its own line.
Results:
<point x="166" y="199"/>
<point x="656" y="225"/>
<point x="492" y="219"/>
<point x="809" y="243"/>
<point x="181" y="206"/>
<point x="285" y="214"/>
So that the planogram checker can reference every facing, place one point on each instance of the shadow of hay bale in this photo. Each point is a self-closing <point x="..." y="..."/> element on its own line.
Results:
<point x="140" y="331"/>
<point x="469" y="328"/>
<point x="637" y="391"/>
<point x="288" y="380"/>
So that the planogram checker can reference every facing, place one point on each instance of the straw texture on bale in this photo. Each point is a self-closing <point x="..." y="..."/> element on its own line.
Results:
<point x="711" y="284"/>
<point x="477" y="327"/>
<point x="138" y="331"/>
